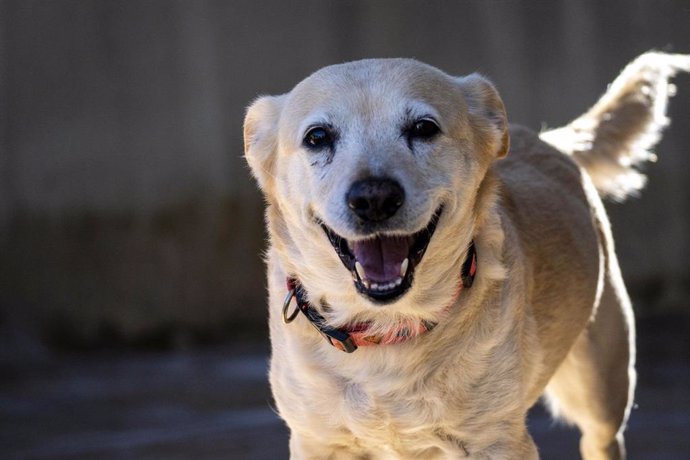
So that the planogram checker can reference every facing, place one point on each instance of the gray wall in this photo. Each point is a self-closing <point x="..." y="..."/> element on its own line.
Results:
<point x="126" y="211"/>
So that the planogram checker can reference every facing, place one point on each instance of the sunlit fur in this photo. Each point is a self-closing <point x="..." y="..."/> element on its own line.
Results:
<point x="617" y="133"/>
<point x="548" y="305"/>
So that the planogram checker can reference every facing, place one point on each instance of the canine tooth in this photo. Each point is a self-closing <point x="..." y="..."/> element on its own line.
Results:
<point x="366" y="283"/>
<point x="403" y="267"/>
<point x="360" y="270"/>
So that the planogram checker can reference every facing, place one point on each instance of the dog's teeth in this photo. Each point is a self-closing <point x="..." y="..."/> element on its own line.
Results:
<point x="366" y="283"/>
<point x="397" y="282"/>
<point x="403" y="267"/>
<point x="384" y="286"/>
<point x="360" y="271"/>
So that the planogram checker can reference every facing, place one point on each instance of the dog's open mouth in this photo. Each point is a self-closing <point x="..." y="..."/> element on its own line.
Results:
<point x="383" y="267"/>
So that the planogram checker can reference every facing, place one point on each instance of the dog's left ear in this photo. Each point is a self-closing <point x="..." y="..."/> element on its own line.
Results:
<point x="261" y="138"/>
<point x="487" y="113"/>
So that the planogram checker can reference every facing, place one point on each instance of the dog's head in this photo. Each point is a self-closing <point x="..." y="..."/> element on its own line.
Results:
<point x="366" y="162"/>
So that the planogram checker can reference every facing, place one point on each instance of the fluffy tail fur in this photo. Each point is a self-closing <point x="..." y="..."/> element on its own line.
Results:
<point x="616" y="134"/>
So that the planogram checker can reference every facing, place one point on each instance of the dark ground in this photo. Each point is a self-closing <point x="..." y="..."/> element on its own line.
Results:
<point x="215" y="403"/>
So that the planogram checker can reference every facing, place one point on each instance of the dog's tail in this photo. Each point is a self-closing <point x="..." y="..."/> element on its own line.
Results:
<point x="616" y="134"/>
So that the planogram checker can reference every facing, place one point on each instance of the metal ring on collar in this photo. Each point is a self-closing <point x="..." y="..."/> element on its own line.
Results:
<point x="287" y="319"/>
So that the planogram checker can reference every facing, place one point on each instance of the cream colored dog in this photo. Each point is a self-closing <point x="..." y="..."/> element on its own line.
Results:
<point x="454" y="279"/>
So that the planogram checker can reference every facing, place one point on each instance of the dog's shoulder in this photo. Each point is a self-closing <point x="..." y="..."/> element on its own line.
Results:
<point x="535" y="170"/>
<point x="529" y="151"/>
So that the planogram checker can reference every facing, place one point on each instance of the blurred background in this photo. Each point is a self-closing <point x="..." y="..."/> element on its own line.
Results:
<point x="132" y="293"/>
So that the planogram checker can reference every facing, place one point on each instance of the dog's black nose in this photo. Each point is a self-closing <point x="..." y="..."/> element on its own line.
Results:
<point x="375" y="199"/>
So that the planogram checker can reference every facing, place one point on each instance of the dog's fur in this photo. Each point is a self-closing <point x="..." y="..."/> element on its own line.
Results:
<point x="548" y="313"/>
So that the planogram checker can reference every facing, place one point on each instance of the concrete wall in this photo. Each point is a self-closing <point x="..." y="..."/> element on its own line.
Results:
<point x="126" y="210"/>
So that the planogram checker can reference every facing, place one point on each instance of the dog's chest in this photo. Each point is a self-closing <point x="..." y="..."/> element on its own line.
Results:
<point x="412" y="405"/>
<point x="408" y="419"/>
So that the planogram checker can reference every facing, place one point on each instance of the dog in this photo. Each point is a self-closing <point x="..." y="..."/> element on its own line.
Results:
<point x="433" y="271"/>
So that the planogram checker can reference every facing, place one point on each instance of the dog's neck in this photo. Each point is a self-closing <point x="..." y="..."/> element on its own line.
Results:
<point x="348" y="339"/>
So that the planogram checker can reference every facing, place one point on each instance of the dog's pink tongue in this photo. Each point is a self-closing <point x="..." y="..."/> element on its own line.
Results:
<point x="381" y="257"/>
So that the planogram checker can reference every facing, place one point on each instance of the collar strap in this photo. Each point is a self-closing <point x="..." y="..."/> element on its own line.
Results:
<point x="349" y="339"/>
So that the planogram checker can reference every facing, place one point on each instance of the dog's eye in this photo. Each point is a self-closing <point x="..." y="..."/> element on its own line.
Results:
<point x="318" y="137"/>
<point x="424" y="128"/>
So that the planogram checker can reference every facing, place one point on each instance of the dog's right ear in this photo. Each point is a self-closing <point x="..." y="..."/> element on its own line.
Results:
<point x="261" y="138"/>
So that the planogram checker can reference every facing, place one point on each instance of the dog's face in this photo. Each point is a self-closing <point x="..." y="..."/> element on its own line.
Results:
<point x="366" y="162"/>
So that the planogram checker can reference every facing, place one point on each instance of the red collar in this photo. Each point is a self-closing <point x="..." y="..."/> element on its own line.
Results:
<point x="349" y="339"/>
